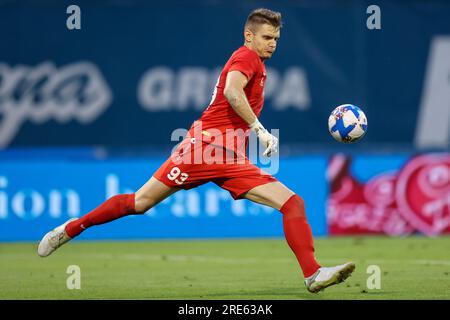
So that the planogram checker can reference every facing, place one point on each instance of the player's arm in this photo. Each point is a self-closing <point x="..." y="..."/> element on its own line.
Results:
<point x="234" y="93"/>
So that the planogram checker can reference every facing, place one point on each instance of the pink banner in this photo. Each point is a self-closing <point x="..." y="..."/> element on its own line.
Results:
<point x="416" y="198"/>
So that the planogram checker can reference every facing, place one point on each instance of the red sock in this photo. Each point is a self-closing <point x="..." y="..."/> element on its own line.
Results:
<point x="299" y="235"/>
<point x="112" y="209"/>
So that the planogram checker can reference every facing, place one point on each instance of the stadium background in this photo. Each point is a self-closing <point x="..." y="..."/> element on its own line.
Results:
<point x="86" y="114"/>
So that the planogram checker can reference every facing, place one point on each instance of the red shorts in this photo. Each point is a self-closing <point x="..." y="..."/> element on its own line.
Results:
<point x="237" y="177"/>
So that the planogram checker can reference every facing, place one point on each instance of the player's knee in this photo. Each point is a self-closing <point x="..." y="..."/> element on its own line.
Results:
<point x="294" y="206"/>
<point x="143" y="204"/>
<point x="300" y="201"/>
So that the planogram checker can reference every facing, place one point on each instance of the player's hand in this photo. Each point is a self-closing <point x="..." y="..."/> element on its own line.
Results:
<point x="267" y="139"/>
<point x="271" y="143"/>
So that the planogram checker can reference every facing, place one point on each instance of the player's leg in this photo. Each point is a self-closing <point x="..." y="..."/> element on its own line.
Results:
<point x="298" y="234"/>
<point x="150" y="194"/>
<point x="296" y="228"/>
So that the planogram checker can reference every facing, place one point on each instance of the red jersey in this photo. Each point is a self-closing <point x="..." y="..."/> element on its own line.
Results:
<point x="199" y="158"/>
<point x="220" y="116"/>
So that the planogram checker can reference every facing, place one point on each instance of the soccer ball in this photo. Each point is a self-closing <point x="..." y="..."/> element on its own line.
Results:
<point x="347" y="123"/>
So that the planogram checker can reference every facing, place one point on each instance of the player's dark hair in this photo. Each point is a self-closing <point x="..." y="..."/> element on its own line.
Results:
<point x="262" y="16"/>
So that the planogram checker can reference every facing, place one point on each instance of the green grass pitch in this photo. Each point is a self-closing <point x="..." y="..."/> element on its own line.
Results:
<point x="260" y="269"/>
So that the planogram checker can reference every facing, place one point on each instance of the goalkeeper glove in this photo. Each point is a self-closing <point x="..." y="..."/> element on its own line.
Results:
<point x="267" y="139"/>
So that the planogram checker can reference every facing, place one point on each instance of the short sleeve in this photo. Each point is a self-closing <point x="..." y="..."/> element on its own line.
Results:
<point x="247" y="63"/>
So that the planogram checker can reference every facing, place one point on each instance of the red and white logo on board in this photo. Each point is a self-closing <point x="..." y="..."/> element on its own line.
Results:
<point x="423" y="193"/>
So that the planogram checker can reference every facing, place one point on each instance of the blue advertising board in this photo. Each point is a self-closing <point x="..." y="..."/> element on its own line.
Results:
<point x="37" y="195"/>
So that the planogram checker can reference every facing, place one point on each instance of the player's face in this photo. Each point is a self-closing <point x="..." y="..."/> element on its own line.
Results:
<point x="264" y="40"/>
